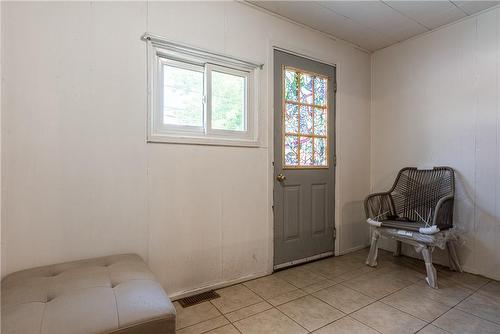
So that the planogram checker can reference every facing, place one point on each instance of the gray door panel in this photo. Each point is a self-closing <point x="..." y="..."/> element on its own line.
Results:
<point x="304" y="201"/>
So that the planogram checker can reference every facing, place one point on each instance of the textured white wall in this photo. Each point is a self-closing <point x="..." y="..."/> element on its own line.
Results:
<point x="436" y="101"/>
<point x="2" y="234"/>
<point x="79" y="179"/>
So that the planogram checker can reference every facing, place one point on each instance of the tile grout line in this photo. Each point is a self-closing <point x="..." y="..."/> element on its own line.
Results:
<point x="212" y="329"/>
<point x="414" y="316"/>
<point x="346" y="314"/>
<point x="306" y="294"/>
<point x="362" y="293"/>
<point x="326" y="287"/>
<point x="323" y="278"/>
<point x="286" y="315"/>
<point x="380" y="300"/>
<point x="475" y="315"/>
<point x="215" y="317"/>
<point x="392" y="293"/>
<point x="459" y="302"/>
<point x="342" y="317"/>
<point x="434" y="324"/>
<point x="431" y="324"/>
<point x="375" y="299"/>
<point x="231" y="323"/>
<point x="199" y="322"/>
<point x="240" y="308"/>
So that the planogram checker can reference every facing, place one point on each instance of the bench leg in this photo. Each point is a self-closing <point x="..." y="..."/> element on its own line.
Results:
<point x="397" y="252"/>
<point x="372" y="256"/>
<point x="452" y="256"/>
<point x="431" y="271"/>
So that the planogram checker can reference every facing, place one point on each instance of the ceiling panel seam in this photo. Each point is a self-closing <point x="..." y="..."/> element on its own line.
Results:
<point x="303" y="25"/>
<point x="408" y="17"/>
<point x="354" y="21"/>
<point x="458" y="6"/>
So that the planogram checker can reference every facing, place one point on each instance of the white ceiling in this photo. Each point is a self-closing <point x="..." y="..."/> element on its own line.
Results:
<point x="374" y="25"/>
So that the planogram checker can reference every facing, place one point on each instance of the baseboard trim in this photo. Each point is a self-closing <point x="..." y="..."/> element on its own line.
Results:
<point x="352" y="249"/>
<point x="218" y="285"/>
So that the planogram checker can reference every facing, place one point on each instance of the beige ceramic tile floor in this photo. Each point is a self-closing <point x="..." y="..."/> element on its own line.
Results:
<point x="342" y="295"/>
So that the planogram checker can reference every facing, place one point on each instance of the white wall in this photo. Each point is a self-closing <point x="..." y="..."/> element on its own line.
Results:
<point x="2" y="234"/>
<point x="79" y="179"/>
<point x="436" y="101"/>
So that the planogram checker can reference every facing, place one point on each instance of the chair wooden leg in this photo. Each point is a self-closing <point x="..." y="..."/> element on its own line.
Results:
<point x="453" y="257"/>
<point x="372" y="256"/>
<point x="397" y="252"/>
<point x="431" y="271"/>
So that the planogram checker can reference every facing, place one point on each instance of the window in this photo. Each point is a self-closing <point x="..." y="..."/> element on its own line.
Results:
<point x="199" y="97"/>
<point x="305" y="119"/>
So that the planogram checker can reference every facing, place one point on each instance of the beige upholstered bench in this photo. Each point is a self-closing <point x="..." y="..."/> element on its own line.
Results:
<point x="112" y="294"/>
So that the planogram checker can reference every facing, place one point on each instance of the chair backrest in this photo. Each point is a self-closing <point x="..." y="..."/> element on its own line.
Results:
<point x="416" y="192"/>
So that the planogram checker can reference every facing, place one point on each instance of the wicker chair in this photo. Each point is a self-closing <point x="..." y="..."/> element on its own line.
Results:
<point x="417" y="210"/>
<point x="416" y="196"/>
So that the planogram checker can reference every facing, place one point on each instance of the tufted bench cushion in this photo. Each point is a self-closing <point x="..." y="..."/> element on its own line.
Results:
<point x="113" y="294"/>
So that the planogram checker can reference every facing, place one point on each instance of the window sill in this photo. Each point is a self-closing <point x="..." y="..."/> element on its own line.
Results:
<point x="211" y="141"/>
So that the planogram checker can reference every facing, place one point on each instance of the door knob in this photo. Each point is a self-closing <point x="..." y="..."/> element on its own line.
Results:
<point x="280" y="177"/>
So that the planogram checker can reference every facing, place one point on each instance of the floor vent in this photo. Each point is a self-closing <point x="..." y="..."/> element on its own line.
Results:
<point x="199" y="298"/>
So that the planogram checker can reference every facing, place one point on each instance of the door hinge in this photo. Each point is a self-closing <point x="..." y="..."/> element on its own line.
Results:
<point x="335" y="86"/>
<point x="334" y="233"/>
<point x="335" y="160"/>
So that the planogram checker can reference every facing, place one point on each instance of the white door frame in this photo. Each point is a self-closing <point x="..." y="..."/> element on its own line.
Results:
<point x="322" y="58"/>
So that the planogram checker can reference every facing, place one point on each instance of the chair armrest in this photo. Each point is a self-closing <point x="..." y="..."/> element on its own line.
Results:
<point x="379" y="204"/>
<point x="443" y="214"/>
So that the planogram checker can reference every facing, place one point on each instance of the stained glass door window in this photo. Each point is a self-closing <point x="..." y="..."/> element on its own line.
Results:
<point x="305" y="119"/>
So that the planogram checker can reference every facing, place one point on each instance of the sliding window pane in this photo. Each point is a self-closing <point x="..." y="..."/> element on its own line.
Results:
<point x="182" y="96"/>
<point x="228" y="101"/>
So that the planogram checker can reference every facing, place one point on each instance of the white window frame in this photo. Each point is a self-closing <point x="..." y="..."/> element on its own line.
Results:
<point x="162" y="52"/>
<point x="158" y="117"/>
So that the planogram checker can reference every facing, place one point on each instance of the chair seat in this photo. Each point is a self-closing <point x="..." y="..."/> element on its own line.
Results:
<point x="403" y="224"/>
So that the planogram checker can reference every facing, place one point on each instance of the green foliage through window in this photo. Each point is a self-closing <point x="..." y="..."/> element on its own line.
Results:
<point x="182" y="96"/>
<point x="228" y="102"/>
